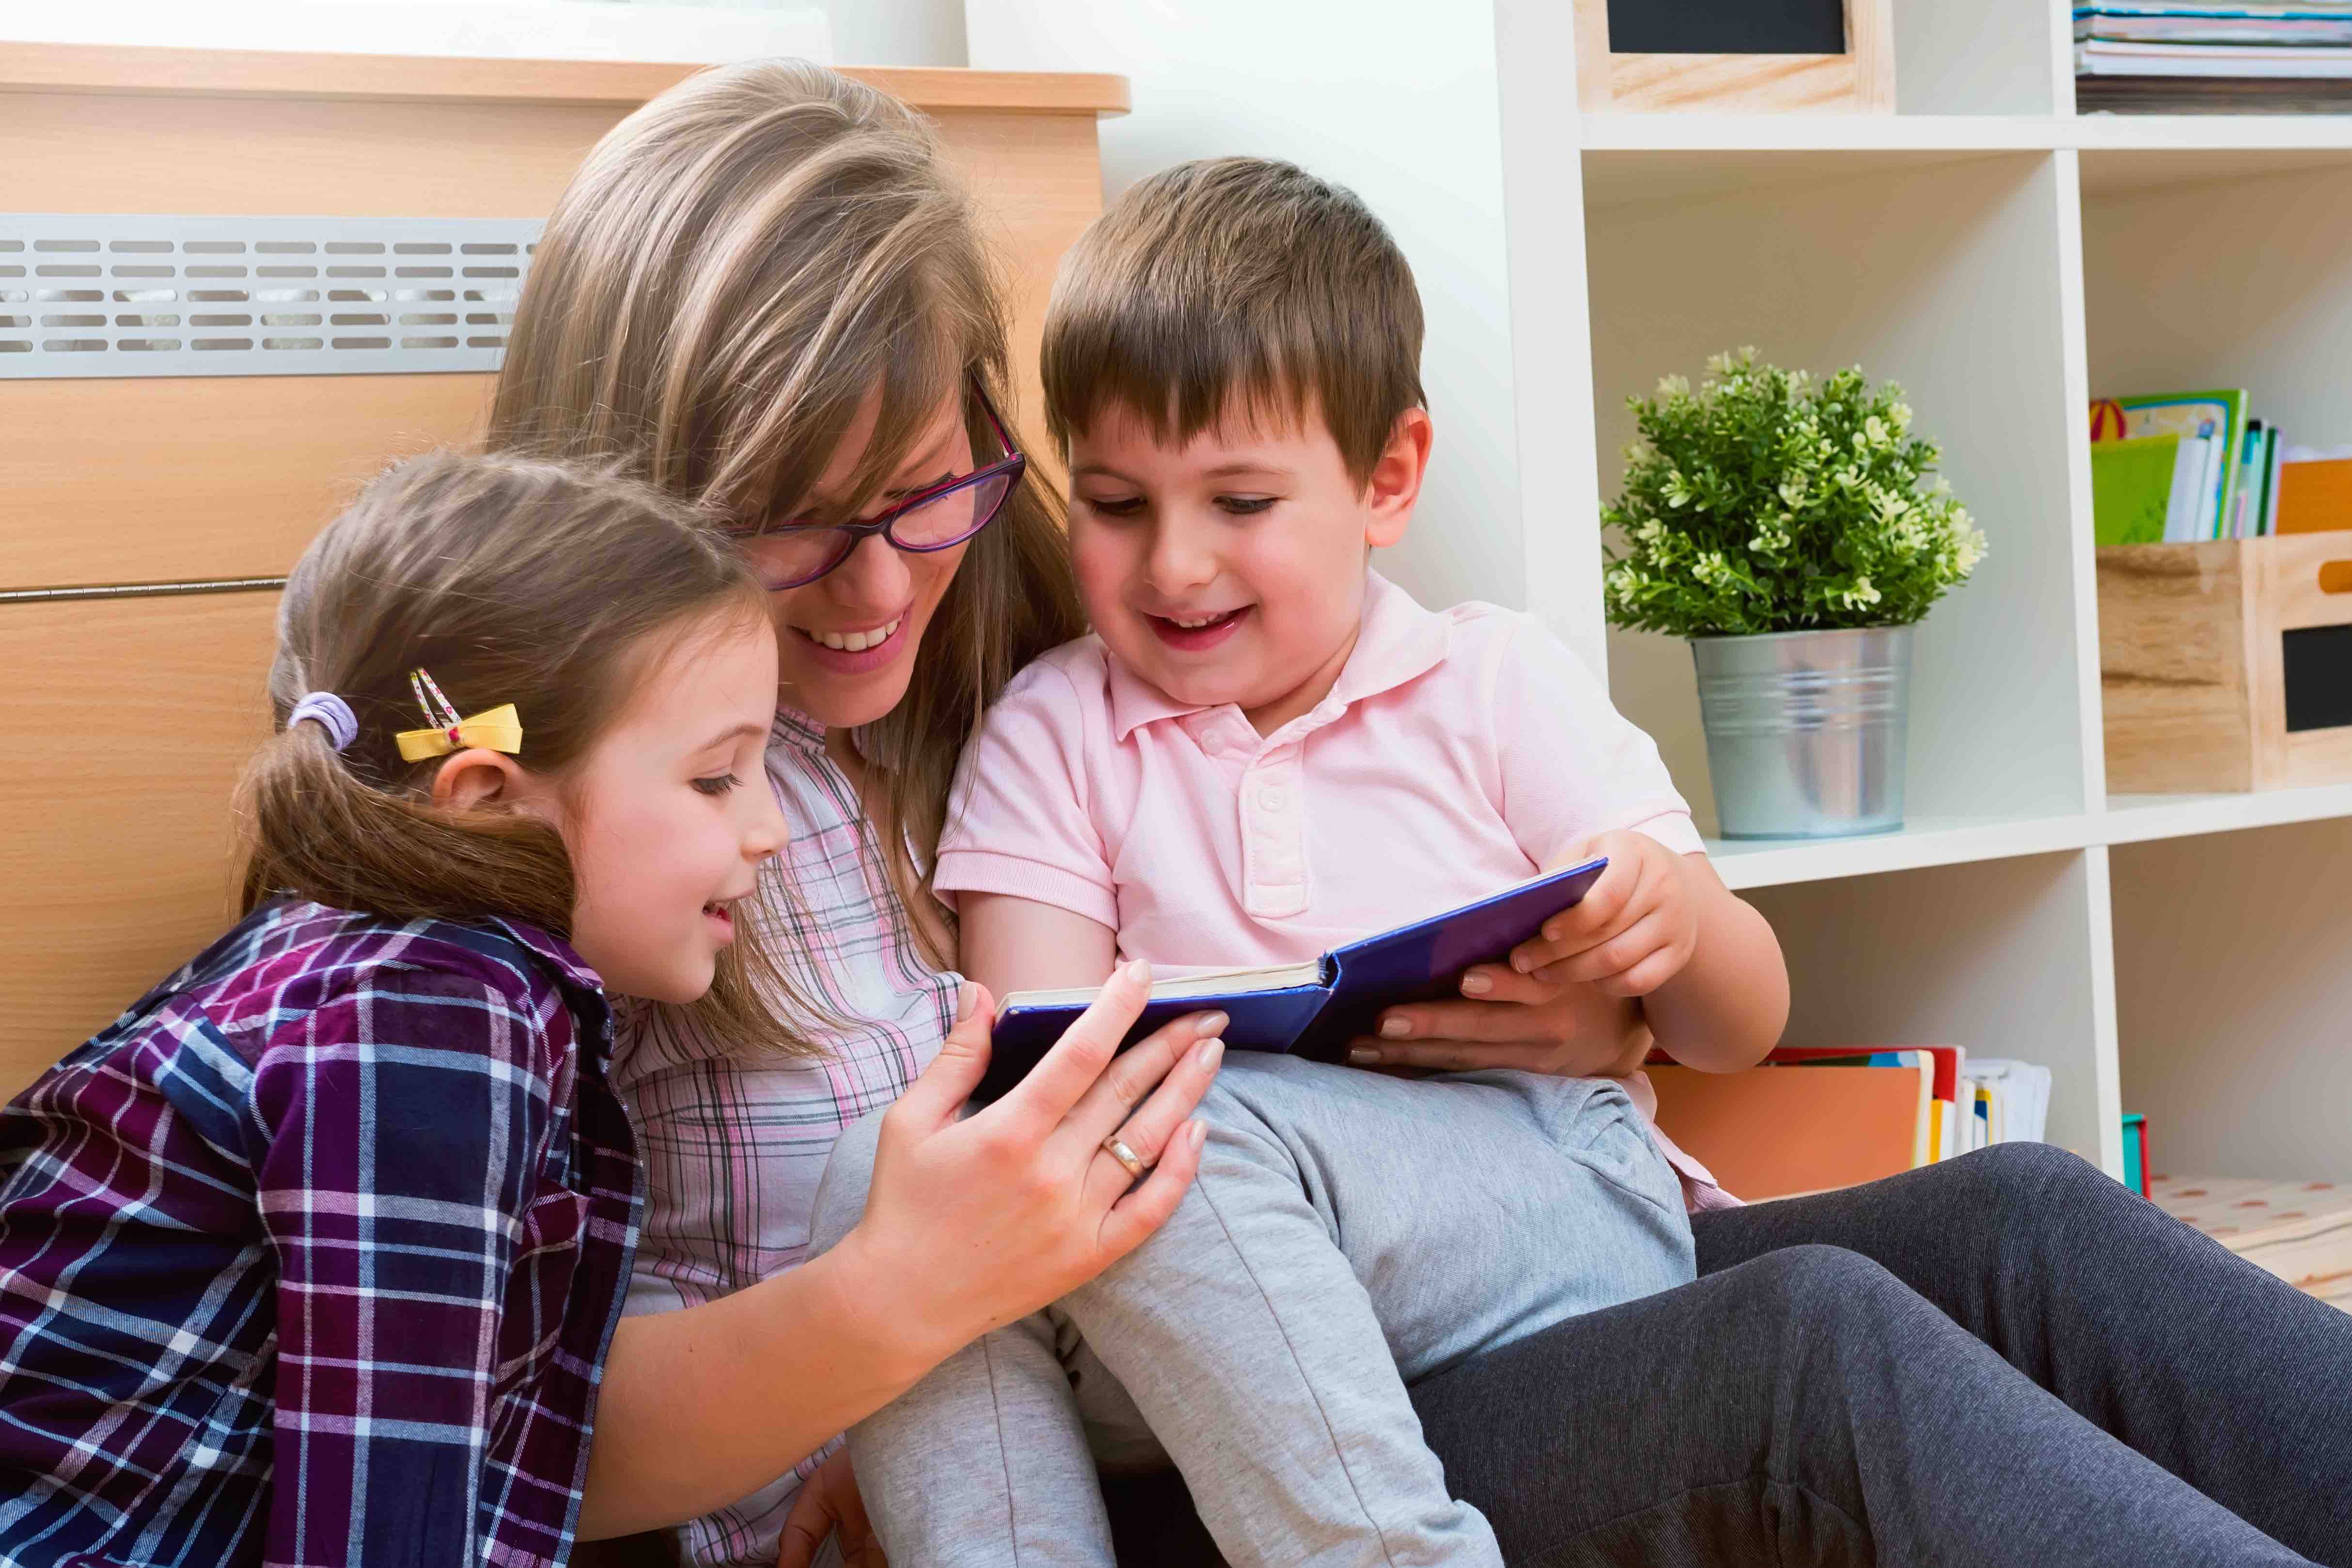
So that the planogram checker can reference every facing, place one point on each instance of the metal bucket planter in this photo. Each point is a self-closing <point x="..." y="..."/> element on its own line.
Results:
<point x="1805" y="730"/>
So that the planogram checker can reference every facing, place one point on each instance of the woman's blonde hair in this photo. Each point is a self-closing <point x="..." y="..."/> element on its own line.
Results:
<point x="735" y="270"/>
<point x="506" y="581"/>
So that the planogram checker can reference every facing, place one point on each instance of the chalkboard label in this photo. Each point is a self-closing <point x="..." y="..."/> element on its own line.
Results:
<point x="2318" y="662"/>
<point x="1727" y="26"/>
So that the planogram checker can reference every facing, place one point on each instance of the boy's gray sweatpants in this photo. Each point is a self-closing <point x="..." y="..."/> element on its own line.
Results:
<point x="1349" y="1231"/>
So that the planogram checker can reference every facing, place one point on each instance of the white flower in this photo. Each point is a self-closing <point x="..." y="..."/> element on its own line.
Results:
<point x="1860" y="595"/>
<point x="1672" y="386"/>
<point x="1876" y="429"/>
<point x="1901" y="413"/>
<point x="1792" y="490"/>
<point x="1650" y="532"/>
<point x="1969" y="546"/>
<point x="1719" y="364"/>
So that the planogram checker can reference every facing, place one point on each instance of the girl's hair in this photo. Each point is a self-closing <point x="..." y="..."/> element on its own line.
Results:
<point x="736" y="270"/>
<point x="506" y="581"/>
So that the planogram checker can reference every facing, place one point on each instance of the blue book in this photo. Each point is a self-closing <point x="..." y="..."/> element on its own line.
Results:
<point x="1310" y="1009"/>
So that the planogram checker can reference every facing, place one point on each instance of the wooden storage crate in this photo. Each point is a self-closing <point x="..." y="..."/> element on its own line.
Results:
<point x="2227" y="666"/>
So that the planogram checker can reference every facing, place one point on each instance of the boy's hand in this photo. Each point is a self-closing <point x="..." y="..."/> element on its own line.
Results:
<point x="1633" y="932"/>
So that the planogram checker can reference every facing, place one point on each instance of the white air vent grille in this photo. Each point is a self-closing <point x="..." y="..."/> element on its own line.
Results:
<point x="168" y="295"/>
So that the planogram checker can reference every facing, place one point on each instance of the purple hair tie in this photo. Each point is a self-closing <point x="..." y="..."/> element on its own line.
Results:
<point x="330" y="712"/>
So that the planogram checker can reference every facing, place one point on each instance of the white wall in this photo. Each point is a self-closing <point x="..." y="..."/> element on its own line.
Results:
<point x="1394" y="99"/>
<point x="898" y="32"/>
<point x="710" y="30"/>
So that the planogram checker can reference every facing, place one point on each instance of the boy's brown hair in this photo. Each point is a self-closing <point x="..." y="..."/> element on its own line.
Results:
<point x="1237" y="285"/>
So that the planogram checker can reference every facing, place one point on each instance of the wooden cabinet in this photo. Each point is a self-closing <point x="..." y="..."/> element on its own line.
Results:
<point x="132" y="714"/>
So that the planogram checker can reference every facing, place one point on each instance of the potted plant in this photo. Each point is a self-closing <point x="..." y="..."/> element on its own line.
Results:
<point x="1789" y="529"/>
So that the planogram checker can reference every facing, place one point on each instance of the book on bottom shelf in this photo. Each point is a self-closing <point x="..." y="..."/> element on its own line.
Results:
<point x="1812" y="1117"/>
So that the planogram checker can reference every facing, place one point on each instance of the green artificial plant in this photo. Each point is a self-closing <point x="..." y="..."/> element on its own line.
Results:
<point x="1764" y="501"/>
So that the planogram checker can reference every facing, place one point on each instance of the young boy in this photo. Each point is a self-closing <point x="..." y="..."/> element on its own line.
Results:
<point x="1266" y="750"/>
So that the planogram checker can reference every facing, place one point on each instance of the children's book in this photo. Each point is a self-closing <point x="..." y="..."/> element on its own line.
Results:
<point x="2132" y="487"/>
<point x="2217" y="416"/>
<point x="1310" y="1009"/>
<point x="1779" y="1131"/>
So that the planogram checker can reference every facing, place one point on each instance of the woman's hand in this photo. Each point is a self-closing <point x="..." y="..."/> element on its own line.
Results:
<point x="1512" y="1020"/>
<point x="972" y="1222"/>
<point x="830" y="1504"/>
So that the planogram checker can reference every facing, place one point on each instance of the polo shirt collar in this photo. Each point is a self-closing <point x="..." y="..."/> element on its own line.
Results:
<point x="1398" y="641"/>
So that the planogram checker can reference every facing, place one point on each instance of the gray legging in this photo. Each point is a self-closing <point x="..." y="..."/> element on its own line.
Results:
<point x="2007" y="1359"/>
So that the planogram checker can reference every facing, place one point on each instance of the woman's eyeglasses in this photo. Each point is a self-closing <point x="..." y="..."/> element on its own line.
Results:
<point x="792" y="554"/>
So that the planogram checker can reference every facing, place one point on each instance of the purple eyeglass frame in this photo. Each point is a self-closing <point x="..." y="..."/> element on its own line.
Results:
<point x="1014" y="463"/>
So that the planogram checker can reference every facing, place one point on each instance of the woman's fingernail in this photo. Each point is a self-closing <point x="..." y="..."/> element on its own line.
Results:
<point x="1551" y="933"/>
<point x="1139" y="971"/>
<point x="1395" y="1028"/>
<point x="1476" y="985"/>
<point x="1196" y="1133"/>
<point x="1520" y="962"/>
<point x="1363" y="1057"/>
<point x="1210" y="1053"/>
<point x="967" y="998"/>
<point x="1210" y="1024"/>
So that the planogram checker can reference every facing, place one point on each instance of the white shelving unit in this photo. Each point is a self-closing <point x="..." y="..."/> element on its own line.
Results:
<point x="2189" y="957"/>
<point x="1999" y="257"/>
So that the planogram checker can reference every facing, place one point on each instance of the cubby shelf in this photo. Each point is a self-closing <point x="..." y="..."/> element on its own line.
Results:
<point x="2001" y="266"/>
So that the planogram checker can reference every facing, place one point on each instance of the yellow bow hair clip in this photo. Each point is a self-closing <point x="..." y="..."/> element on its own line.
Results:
<point x="498" y="728"/>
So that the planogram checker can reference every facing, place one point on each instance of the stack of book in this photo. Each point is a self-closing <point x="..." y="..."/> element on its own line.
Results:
<point x="2188" y="56"/>
<point x="1817" y="1117"/>
<point x="2300" y="1231"/>
<point x="2179" y="467"/>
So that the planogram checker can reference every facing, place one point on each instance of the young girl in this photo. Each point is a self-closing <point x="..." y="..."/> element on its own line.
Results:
<point x="313" y="1254"/>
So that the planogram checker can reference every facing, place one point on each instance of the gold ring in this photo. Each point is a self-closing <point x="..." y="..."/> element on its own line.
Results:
<point x="1116" y="1147"/>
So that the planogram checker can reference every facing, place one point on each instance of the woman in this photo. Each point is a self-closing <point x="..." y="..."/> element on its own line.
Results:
<point x="763" y="291"/>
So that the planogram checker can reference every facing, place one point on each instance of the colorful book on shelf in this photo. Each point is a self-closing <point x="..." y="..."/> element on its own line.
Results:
<point x="2314" y="496"/>
<point x="1937" y="1094"/>
<point x="1312" y="1008"/>
<point x="2300" y="1231"/>
<point x="2217" y="420"/>
<point x="1775" y="1131"/>
<point x="2137" y="486"/>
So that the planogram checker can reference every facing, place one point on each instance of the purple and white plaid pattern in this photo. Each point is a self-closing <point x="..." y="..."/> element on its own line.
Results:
<point x="733" y="1148"/>
<point x="313" y="1256"/>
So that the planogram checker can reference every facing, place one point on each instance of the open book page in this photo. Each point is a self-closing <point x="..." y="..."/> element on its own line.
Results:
<point x="1199" y="982"/>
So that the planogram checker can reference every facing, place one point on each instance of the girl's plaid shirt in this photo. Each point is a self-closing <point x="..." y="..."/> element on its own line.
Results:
<point x="313" y="1256"/>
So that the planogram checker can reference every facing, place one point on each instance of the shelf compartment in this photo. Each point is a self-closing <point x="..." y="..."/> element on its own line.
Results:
<point x="1899" y="269"/>
<point x="2001" y="957"/>
<point x="2232" y="996"/>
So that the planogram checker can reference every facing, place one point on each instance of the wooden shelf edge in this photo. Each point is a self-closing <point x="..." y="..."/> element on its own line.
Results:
<point x="140" y="71"/>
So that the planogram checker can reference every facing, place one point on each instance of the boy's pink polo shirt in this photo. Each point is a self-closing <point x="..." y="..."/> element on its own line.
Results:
<point x="1458" y="752"/>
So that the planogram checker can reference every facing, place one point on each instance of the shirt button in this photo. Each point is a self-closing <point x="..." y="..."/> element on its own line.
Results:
<point x="1270" y="798"/>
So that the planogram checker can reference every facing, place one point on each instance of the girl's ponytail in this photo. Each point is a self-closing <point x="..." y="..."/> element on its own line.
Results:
<point x="317" y="831"/>
<point x="510" y="581"/>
